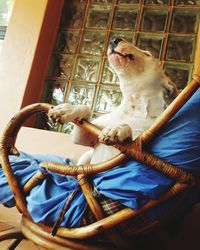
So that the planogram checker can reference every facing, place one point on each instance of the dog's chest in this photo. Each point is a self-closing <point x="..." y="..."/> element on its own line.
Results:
<point x="143" y="106"/>
<point x="138" y="113"/>
<point x="136" y="108"/>
<point x="128" y="109"/>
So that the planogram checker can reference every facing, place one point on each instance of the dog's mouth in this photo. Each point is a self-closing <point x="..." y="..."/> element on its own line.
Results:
<point x="130" y="56"/>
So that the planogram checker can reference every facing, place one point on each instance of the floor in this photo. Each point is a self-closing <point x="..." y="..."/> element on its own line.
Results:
<point x="24" y="245"/>
<point x="10" y="218"/>
<point x="186" y="238"/>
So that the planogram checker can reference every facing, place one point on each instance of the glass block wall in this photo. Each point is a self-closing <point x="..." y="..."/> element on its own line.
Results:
<point x="79" y="72"/>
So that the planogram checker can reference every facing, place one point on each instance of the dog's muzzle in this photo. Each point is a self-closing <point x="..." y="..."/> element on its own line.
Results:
<point x="114" y="43"/>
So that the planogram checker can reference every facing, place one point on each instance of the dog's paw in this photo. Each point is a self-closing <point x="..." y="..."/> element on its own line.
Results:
<point x="115" y="135"/>
<point x="66" y="112"/>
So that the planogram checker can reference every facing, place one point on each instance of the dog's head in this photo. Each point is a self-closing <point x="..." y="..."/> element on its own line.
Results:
<point x="125" y="58"/>
<point x="132" y="64"/>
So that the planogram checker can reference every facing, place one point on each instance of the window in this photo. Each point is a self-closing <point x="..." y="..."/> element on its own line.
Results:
<point x="5" y="12"/>
<point x="79" y="71"/>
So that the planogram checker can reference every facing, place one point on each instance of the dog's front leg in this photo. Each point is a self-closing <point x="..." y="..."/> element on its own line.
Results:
<point x="118" y="134"/>
<point x="65" y="113"/>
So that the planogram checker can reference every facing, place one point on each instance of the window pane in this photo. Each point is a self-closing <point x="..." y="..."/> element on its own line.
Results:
<point x="2" y="32"/>
<point x="93" y="42"/>
<point x="185" y="21"/>
<point x="128" y="1"/>
<point x="87" y="69"/>
<point x="76" y="1"/>
<point x="108" y="98"/>
<point x="155" y="20"/>
<point x="67" y="42"/>
<point x="54" y="91"/>
<point x="81" y="94"/>
<point x="153" y="44"/>
<point x="72" y="16"/>
<point x="180" y="75"/>
<point x="102" y="1"/>
<point x="98" y="17"/>
<point x="5" y="11"/>
<point x="60" y="66"/>
<point x="180" y="49"/>
<point x="125" y="19"/>
<point x="187" y="2"/>
<point x="157" y="2"/>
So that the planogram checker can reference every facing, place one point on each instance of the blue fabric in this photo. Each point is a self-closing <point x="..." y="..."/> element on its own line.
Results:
<point x="131" y="183"/>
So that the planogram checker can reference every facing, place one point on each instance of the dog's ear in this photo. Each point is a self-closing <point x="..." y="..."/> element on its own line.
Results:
<point x="170" y="90"/>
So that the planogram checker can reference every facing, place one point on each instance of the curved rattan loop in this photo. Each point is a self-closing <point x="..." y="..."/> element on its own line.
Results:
<point x="7" y="143"/>
<point x="112" y="220"/>
<point x="83" y="169"/>
<point x="42" y="237"/>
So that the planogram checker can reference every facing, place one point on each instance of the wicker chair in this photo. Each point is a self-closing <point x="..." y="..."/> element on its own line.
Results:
<point x="91" y="237"/>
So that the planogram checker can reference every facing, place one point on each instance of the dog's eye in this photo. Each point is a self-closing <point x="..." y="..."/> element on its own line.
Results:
<point x="147" y="53"/>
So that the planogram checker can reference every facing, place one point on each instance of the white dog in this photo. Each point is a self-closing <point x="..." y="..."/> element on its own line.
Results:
<point x="142" y="83"/>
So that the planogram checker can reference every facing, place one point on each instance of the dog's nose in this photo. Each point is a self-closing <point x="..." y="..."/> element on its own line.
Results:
<point x="114" y="43"/>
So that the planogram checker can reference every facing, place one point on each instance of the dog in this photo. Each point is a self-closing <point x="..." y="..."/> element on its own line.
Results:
<point x="142" y="82"/>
